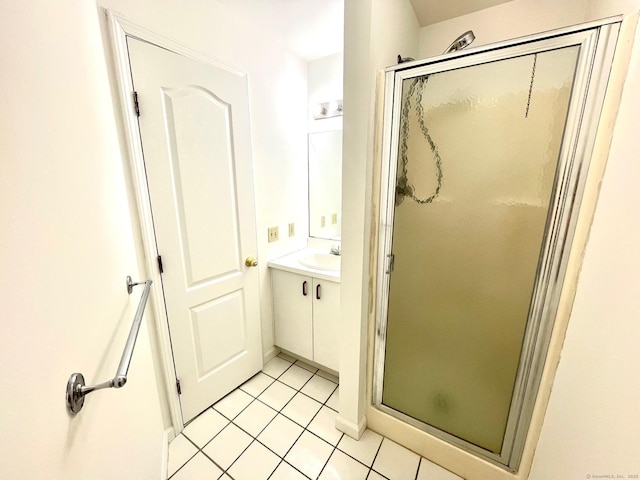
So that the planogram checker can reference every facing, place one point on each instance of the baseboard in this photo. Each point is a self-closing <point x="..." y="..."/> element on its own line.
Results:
<point x="269" y="354"/>
<point x="169" y="434"/>
<point x="352" y="429"/>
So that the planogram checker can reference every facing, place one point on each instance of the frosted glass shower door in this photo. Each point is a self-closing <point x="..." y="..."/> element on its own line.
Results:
<point x="477" y="158"/>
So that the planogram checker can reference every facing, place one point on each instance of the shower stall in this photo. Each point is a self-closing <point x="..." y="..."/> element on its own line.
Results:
<point x="485" y="155"/>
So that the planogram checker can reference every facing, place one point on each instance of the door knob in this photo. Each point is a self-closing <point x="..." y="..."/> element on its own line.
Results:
<point x="251" y="262"/>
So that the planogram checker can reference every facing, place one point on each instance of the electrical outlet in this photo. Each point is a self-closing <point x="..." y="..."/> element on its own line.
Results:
<point x="334" y="218"/>
<point x="322" y="221"/>
<point x="292" y="229"/>
<point x="273" y="234"/>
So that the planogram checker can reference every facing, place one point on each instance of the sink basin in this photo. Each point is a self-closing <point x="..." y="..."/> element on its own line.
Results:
<point x="321" y="261"/>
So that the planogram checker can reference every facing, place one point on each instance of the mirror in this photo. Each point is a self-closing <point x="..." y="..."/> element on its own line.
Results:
<point x="325" y="184"/>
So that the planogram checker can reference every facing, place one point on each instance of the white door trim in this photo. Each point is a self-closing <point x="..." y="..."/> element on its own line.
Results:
<point x="120" y="28"/>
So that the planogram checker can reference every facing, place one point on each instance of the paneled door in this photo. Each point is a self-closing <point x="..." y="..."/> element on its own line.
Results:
<point x="194" y="126"/>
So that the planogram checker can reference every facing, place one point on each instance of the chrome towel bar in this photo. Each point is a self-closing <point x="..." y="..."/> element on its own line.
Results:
<point x="76" y="388"/>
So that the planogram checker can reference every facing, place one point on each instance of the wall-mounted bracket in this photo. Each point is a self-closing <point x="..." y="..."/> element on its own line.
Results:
<point x="130" y="284"/>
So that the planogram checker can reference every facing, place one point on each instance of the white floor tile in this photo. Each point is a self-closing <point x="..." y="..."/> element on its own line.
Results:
<point x="319" y="388"/>
<point x="180" y="451"/>
<point x="328" y="376"/>
<point x="309" y="454"/>
<point x="333" y="401"/>
<point x="256" y="463"/>
<point x="280" y="434"/>
<point x="343" y="467"/>
<point x="395" y="461"/>
<point x="198" y="468"/>
<point x="288" y="358"/>
<point x="324" y="425"/>
<point x="255" y="417"/>
<point x="276" y="367"/>
<point x="227" y="446"/>
<point x="231" y="405"/>
<point x="375" y="476"/>
<point x="287" y="472"/>
<point x="295" y="377"/>
<point x="430" y="471"/>
<point x="301" y="409"/>
<point x="277" y="395"/>
<point x="306" y="366"/>
<point x="206" y="426"/>
<point x="257" y="384"/>
<point x="364" y="449"/>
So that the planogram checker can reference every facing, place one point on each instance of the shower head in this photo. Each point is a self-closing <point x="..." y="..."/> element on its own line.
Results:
<point x="461" y="42"/>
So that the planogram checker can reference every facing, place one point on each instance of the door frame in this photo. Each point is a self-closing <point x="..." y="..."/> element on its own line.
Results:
<point x="120" y="28"/>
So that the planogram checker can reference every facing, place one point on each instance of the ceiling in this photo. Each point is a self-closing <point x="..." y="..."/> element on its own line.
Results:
<point x="434" y="11"/>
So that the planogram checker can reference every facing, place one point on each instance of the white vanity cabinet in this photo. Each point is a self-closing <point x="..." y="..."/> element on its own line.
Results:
<point x="307" y="314"/>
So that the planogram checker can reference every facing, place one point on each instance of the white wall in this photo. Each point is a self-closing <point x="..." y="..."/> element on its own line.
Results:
<point x="252" y="36"/>
<point x="65" y="249"/>
<point x="592" y="425"/>
<point x="67" y="242"/>
<point x="376" y="31"/>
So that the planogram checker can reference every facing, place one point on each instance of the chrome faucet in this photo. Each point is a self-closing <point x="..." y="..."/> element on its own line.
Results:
<point x="335" y="250"/>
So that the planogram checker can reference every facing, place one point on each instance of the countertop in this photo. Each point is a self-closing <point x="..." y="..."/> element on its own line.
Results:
<point x="289" y="263"/>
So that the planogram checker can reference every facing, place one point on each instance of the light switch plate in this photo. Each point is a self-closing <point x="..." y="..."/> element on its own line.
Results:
<point x="292" y="229"/>
<point x="322" y="221"/>
<point x="334" y="218"/>
<point x="273" y="234"/>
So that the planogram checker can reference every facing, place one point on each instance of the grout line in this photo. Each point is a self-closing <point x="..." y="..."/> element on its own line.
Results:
<point x="301" y="361"/>
<point x="384" y="477"/>
<point x="335" y="447"/>
<point x="292" y="466"/>
<point x="201" y="450"/>
<point x="262" y="391"/>
<point x="304" y="428"/>
<point x="374" y="459"/>
<point x="278" y="412"/>
<point x="189" y="459"/>
<point x="283" y="372"/>
<point x="351" y="456"/>
<point x="418" y="470"/>
<point x="241" y="453"/>
<point x="216" y="464"/>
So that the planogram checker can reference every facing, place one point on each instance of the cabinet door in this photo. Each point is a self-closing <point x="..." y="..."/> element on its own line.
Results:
<point x="292" y="312"/>
<point x="326" y="318"/>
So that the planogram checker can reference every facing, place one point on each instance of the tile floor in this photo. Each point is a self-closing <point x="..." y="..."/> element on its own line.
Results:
<point x="279" y="425"/>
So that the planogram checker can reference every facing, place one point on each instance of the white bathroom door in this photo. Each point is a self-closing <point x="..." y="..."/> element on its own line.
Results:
<point x="194" y="125"/>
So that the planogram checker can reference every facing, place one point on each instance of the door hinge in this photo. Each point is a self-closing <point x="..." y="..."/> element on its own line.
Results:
<point x="136" y="104"/>
<point x="160" y="264"/>
<point x="392" y="260"/>
<point x="178" y="387"/>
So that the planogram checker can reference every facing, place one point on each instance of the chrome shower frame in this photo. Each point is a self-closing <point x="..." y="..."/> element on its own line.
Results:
<point x="597" y="42"/>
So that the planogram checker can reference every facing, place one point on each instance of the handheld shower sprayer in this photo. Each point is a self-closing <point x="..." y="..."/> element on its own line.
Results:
<point x="461" y="42"/>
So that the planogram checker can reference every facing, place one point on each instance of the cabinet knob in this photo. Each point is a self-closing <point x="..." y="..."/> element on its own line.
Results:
<point x="304" y="288"/>
<point x="251" y="262"/>
<point x="318" y="292"/>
